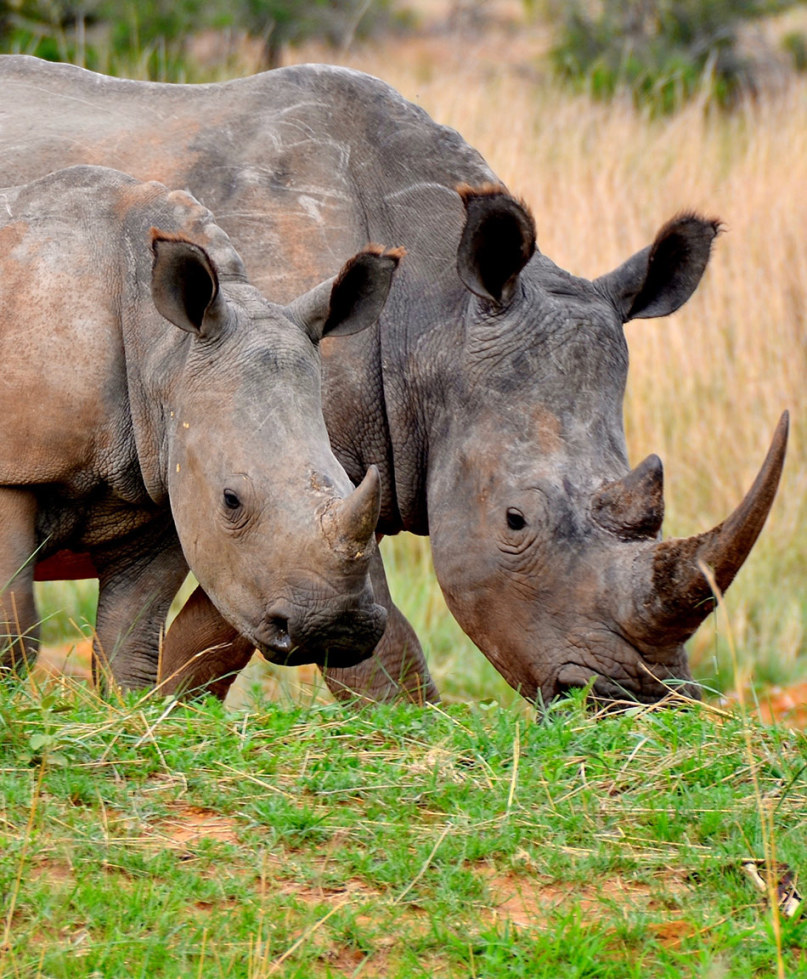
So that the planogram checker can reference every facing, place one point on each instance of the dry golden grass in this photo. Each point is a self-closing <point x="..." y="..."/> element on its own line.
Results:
<point x="708" y="385"/>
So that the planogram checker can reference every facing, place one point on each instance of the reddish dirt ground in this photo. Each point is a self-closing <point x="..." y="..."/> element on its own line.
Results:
<point x="785" y="704"/>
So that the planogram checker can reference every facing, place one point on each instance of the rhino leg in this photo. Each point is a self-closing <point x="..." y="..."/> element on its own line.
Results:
<point x="136" y="588"/>
<point x="397" y="669"/>
<point x="202" y="652"/>
<point x="19" y="634"/>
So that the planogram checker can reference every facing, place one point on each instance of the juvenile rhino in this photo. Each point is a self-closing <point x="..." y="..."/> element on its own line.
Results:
<point x="490" y="398"/>
<point x="157" y="414"/>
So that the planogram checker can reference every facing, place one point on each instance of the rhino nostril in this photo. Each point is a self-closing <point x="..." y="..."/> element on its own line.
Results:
<point x="277" y="631"/>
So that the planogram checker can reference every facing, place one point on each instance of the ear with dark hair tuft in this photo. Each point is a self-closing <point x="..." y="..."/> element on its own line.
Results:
<point x="497" y="242"/>
<point x="185" y="285"/>
<point x="353" y="300"/>
<point x="360" y="290"/>
<point x="659" y="279"/>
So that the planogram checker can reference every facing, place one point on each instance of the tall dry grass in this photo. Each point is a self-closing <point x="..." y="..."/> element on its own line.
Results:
<point x="707" y="385"/>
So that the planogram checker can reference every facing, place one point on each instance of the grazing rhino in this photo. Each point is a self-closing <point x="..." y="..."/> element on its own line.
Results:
<point x="491" y="397"/>
<point x="157" y="414"/>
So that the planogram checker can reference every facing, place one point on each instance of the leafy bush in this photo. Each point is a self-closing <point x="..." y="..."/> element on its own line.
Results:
<point x="660" y="51"/>
<point x="795" y="45"/>
<point x="281" y="22"/>
<point x="150" y="36"/>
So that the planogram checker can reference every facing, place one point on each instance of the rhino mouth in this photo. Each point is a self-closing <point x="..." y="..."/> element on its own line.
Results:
<point x="334" y="657"/>
<point x="340" y="641"/>
<point x="607" y="691"/>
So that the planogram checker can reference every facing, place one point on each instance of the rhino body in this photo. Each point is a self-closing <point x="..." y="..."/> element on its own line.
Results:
<point x="157" y="413"/>
<point x="490" y="398"/>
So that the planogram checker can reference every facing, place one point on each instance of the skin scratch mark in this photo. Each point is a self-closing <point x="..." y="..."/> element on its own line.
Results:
<point x="311" y="207"/>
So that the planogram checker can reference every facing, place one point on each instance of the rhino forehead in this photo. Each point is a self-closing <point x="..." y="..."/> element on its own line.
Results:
<point x="266" y="359"/>
<point x="569" y="361"/>
<point x="280" y="368"/>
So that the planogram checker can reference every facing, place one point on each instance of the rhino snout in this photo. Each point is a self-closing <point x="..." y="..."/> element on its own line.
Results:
<point x="293" y="635"/>
<point x="354" y="636"/>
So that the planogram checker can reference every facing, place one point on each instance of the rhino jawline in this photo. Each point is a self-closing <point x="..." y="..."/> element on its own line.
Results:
<point x="605" y="690"/>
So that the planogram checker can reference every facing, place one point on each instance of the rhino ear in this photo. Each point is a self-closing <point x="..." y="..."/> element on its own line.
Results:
<point x="185" y="285"/>
<point x="497" y="242"/>
<point x="659" y="279"/>
<point x="353" y="300"/>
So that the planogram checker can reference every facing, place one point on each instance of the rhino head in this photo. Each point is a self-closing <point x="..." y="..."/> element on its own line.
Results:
<point x="269" y="522"/>
<point x="546" y="544"/>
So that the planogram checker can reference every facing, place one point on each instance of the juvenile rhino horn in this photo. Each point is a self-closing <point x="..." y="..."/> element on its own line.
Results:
<point x="634" y="505"/>
<point x="680" y="595"/>
<point x="352" y="521"/>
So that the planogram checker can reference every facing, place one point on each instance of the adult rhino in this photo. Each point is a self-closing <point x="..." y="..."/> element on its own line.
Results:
<point x="491" y="397"/>
<point x="156" y="414"/>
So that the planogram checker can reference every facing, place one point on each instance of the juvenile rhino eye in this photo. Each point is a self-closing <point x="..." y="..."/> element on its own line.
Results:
<point x="515" y="519"/>
<point x="231" y="501"/>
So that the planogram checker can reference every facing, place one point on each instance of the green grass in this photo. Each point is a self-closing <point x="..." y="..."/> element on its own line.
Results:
<point x="145" y="838"/>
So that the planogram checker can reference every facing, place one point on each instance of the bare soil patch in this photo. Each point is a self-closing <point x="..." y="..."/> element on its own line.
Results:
<point x="54" y="871"/>
<point x="190" y="824"/>
<point x="525" y="901"/>
<point x="73" y="659"/>
<point x="787" y="705"/>
<point x="777" y="705"/>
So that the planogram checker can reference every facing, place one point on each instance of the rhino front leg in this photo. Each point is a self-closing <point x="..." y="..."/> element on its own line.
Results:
<point x="397" y="669"/>
<point x="136" y="588"/>
<point x="19" y="633"/>
<point x="202" y="652"/>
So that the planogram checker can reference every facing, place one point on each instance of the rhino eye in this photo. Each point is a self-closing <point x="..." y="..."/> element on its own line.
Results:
<point x="515" y="519"/>
<point x="231" y="500"/>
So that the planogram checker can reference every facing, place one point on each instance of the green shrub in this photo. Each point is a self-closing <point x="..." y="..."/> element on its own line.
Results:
<point x="662" y="52"/>
<point x="148" y="38"/>
<point x="795" y="45"/>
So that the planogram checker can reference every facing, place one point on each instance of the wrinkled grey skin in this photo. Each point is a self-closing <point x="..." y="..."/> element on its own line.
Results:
<point x="157" y="414"/>
<point x="490" y="398"/>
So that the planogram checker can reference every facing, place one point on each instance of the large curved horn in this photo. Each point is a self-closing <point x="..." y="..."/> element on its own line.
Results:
<point x="350" y="523"/>
<point x="633" y="506"/>
<point x="680" y="597"/>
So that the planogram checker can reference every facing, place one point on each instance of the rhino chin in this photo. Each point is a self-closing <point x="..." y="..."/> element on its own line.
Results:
<point x="649" y="689"/>
<point x="334" y="657"/>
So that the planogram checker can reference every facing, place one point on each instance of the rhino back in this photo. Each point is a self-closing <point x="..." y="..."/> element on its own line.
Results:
<point x="301" y="165"/>
<point x="63" y="397"/>
<point x="80" y="342"/>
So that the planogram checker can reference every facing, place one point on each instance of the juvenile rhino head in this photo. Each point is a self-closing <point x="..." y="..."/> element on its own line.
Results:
<point x="267" y="518"/>
<point x="546" y="544"/>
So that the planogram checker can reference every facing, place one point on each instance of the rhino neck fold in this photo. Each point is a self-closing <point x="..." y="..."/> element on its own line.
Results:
<point x="154" y="361"/>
